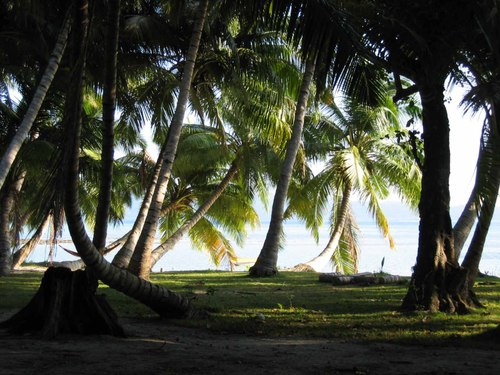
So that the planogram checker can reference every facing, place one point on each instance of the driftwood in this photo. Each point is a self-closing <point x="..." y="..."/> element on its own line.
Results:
<point x="365" y="278"/>
<point x="65" y="303"/>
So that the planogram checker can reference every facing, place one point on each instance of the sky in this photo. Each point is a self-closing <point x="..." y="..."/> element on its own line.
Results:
<point x="465" y="134"/>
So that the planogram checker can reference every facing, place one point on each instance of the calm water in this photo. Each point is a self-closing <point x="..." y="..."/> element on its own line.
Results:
<point x="300" y="246"/>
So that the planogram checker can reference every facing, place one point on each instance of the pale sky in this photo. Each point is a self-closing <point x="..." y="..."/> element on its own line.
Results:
<point x="465" y="133"/>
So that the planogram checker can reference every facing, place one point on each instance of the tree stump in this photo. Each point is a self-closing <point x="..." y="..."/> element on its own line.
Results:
<point x="65" y="303"/>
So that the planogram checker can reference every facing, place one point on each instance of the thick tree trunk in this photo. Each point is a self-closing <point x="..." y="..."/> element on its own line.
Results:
<point x="7" y="204"/>
<point x="108" y="119"/>
<point x="36" y="103"/>
<point x="266" y="264"/>
<point x="320" y="261"/>
<point x="24" y="252"/>
<point x="65" y="303"/>
<point x="437" y="281"/>
<point x="169" y="244"/>
<point x="146" y="240"/>
<point x="161" y="300"/>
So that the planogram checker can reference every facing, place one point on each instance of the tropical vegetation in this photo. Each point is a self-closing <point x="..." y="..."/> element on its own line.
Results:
<point x="79" y="79"/>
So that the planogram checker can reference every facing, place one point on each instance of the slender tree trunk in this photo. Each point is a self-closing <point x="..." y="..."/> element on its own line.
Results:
<point x="161" y="300"/>
<point x="7" y="204"/>
<point x="488" y="175"/>
<point x="38" y="98"/>
<point x="320" y="261"/>
<point x="169" y="244"/>
<point x="465" y="223"/>
<point x="146" y="240"/>
<point x="122" y="258"/>
<point x="437" y="277"/>
<point x="108" y="117"/>
<point x="268" y="258"/>
<point x="475" y="251"/>
<point x="24" y="252"/>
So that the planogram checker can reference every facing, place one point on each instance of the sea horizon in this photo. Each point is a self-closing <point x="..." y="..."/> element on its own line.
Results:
<point x="300" y="246"/>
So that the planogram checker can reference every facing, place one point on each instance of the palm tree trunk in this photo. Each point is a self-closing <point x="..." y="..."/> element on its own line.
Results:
<point x="148" y="234"/>
<point x="488" y="171"/>
<point x="268" y="258"/>
<point x="433" y="285"/>
<point x="122" y="258"/>
<point x="159" y="299"/>
<point x="320" y="261"/>
<point x="7" y="204"/>
<point x="464" y="224"/>
<point x="475" y="251"/>
<point x="169" y="244"/>
<point x="108" y="117"/>
<point x="38" y="98"/>
<point x="20" y="256"/>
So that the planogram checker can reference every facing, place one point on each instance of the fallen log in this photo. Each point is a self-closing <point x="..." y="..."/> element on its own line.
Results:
<point x="364" y="278"/>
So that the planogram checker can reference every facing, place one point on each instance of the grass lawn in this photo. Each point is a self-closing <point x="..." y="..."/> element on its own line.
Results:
<point x="294" y="304"/>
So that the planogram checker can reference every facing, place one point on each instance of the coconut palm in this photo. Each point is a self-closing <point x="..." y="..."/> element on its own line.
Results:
<point x="328" y="45"/>
<point x="51" y="68"/>
<point x="165" y="302"/>
<point x="109" y="105"/>
<point x="426" y="52"/>
<point x="363" y="158"/>
<point x="230" y="90"/>
<point x="484" y="95"/>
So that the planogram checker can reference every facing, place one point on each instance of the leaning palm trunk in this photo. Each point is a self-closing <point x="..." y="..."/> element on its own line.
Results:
<point x="7" y="204"/>
<point x="169" y="244"/>
<point x="122" y="258"/>
<point x="465" y="223"/>
<point x="159" y="299"/>
<point x="320" y="261"/>
<point x="108" y="118"/>
<point x="129" y="240"/>
<point x="266" y="264"/>
<point x="488" y="175"/>
<point x="36" y="103"/>
<point x="475" y="251"/>
<point x="147" y="237"/>
<point x="24" y="252"/>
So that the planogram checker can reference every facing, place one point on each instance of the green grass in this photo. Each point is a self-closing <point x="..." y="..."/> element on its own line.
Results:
<point x="295" y="304"/>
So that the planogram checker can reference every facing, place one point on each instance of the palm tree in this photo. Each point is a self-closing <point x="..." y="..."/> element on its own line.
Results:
<point x="232" y="71"/>
<point x="426" y="52"/>
<point x="364" y="159"/>
<point x="483" y="64"/>
<point x="328" y="47"/>
<point x="109" y="104"/>
<point x="268" y="257"/>
<point x="161" y="300"/>
<point x="38" y="98"/>
<point x="7" y="201"/>
<point x="152" y="204"/>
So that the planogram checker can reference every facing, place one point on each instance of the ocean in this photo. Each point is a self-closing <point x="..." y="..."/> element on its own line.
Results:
<point x="301" y="247"/>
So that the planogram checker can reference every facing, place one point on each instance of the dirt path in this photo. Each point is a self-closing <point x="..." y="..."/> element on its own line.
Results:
<point x="154" y="347"/>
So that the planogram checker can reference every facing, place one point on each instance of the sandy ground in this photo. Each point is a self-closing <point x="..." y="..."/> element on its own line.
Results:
<point x="155" y="347"/>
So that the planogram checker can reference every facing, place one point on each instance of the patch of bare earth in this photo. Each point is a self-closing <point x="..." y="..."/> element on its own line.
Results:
<point x="155" y="347"/>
